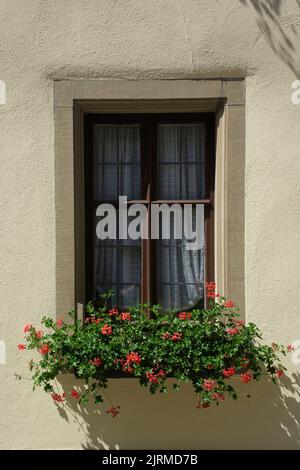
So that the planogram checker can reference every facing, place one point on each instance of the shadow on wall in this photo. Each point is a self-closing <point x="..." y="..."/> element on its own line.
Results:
<point x="280" y="31"/>
<point x="269" y="419"/>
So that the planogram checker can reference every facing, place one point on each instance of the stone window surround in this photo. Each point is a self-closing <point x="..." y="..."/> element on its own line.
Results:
<point x="224" y="97"/>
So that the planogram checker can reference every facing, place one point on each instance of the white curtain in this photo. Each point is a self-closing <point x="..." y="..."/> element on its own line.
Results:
<point x="181" y="169"/>
<point x="117" y="262"/>
<point x="181" y="175"/>
<point x="117" y="150"/>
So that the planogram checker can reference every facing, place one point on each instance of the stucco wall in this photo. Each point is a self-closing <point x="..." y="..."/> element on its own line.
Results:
<point x="42" y="41"/>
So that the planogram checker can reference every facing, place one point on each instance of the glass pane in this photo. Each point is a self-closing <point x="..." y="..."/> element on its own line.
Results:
<point x="129" y="295"/>
<point x="180" y="297"/>
<point x="117" y="266"/>
<point x="180" y="264"/>
<point x="169" y="182"/>
<point x="117" y="161"/>
<point x="193" y="143"/>
<point x="106" y="265"/>
<point x="181" y="161"/>
<point x="186" y="181"/>
<point x="107" y="182"/>
<point x="123" y="296"/>
<point x="129" y="264"/>
<point x="117" y="143"/>
<point x="130" y="181"/>
<point x="192" y="182"/>
<point x="117" y="180"/>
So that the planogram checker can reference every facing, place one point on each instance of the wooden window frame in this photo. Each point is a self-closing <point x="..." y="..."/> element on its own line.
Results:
<point x="148" y="123"/>
<point x="72" y="99"/>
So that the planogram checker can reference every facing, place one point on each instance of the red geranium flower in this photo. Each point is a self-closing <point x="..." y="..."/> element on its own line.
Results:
<point x="59" y="323"/>
<point x="184" y="315"/>
<point x="58" y="397"/>
<point x="290" y="348"/>
<point x="75" y="394"/>
<point x="210" y="285"/>
<point x="96" y="361"/>
<point x="113" y="410"/>
<point x="21" y="347"/>
<point x="133" y="357"/>
<point x="218" y="396"/>
<point x="44" y="349"/>
<point x="39" y="334"/>
<point x="27" y="328"/>
<point x="113" y="311"/>
<point x="166" y="335"/>
<point x="232" y="331"/>
<point x="176" y="336"/>
<point x="125" y="316"/>
<point x="106" y="330"/>
<point x="212" y="295"/>
<point x="229" y="304"/>
<point x="245" y="378"/>
<point x="229" y="372"/>
<point x="160" y="373"/>
<point x="152" y="377"/>
<point x="279" y="373"/>
<point x="208" y="384"/>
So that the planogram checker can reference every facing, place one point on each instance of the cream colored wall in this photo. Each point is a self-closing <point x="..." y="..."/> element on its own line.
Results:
<point x="42" y="41"/>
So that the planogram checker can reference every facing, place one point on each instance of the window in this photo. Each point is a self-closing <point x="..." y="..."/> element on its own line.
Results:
<point x="151" y="159"/>
<point x="223" y="101"/>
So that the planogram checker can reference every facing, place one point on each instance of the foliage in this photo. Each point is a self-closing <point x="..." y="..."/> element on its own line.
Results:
<point x="204" y="347"/>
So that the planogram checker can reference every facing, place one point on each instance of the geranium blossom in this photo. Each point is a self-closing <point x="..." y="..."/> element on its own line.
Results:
<point x="184" y="315"/>
<point x="208" y="384"/>
<point x="229" y="372"/>
<point x="44" y="349"/>
<point x="176" y="336"/>
<point x="106" y="330"/>
<point x="113" y="410"/>
<point x="113" y="311"/>
<point x="59" y="398"/>
<point x="74" y="394"/>
<point x="125" y="316"/>
<point x="27" y="328"/>
<point x="97" y="361"/>
<point x="245" y="378"/>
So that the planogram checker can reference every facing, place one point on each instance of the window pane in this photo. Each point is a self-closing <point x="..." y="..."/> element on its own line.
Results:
<point x="180" y="269"/>
<point x="181" y="161"/>
<point x="117" y="161"/>
<point x="117" y="143"/>
<point x="117" y="266"/>
<point x="123" y="295"/>
<point x="106" y="265"/>
<point x="180" y="297"/>
<point x="129" y="264"/>
<point x="169" y="182"/>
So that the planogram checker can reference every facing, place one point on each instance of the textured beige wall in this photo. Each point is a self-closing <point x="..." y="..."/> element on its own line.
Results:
<point x="42" y="41"/>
